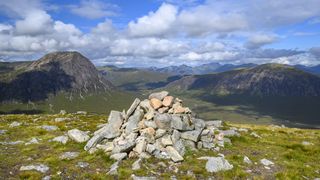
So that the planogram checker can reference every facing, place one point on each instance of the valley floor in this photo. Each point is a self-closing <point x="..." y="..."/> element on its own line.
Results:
<point x="294" y="152"/>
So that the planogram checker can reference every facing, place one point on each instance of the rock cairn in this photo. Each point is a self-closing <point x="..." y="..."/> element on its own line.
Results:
<point x="159" y="126"/>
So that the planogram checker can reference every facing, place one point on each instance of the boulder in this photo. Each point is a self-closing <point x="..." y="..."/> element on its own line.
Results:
<point x="216" y="164"/>
<point x="114" y="169"/>
<point x="166" y="140"/>
<point x="133" y="121"/>
<point x="179" y="146"/>
<point x="163" y="121"/>
<point x="266" y="162"/>
<point x="150" y="124"/>
<point x="181" y="123"/>
<point x="174" y="154"/>
<point x="78" y="136"/>
<point x="216" y="123"/>
<point x="124" y="147"/>
<point x="160" y="133"/>
<point x="155" y="103"/>
<point x="159" y="95"/>
<point x="230" y="133"/>
<point x="118" y="156"/>
<point x="14" y="124"/>
<point x="167" y="101"/>
<point x="37" y="167"/>
<point x="133" y="107"/>
<point x="191" y="135"/>
<point x="141" y="145"/>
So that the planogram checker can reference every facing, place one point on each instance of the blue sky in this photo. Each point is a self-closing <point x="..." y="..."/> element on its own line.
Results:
<point x="162" y="33"/>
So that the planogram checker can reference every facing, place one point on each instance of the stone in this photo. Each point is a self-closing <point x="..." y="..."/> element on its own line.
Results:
<point x="163" y="110"/>
<point x="114" y="169"/>
<point x="150" y="148"/>
<point x="144" y="155"/>
<point x="82" y="112"/>
<point x="125" y="147"/>
<point x="163" y="121"/>
<point x="199" y="124"/>
<point x="230" y="133"/>
<point x="150" y="124"/>
<point x="134" y="177"/>
<point x="63" y="112"/>
<point x="159" y="95"/>
<point x="206" y="138"/>
<point x="14" y="124"/>
<point x="133" y="121"/>
<point x="32" y="141"/>
<point x="3" y="131"/>
<point x="216" y="123"/>
<point x="306" y="143"/>
<point x="136" y="165"/>
<point x="83" y="164"/>
<point x="166" y="140"/>
<point x="247" y="160"/>
<point x="179" y="146"/>
<point x="207" y="145"/>
<point x="167" y="101"/>
<point x="49" y="128"/>
<point x="180" y="123"/>
<point x="78" y="136"/>
<point x="160" y="133"/>
<point x="133" y="107"/>
<point x="219" y="137"/>
<point x="216" y="164"/>
<point x="179" y="110"/>
<point x="69" y="155"/>
<point x="141" y="145"/>
<point x="191" y="135"/>
<point x="189" y="144"/>
<point x="155" y="103"/>
<point x="174" y="154"/>
<point x="46" y="178"/>
<point x="108" y="147"/>
<point x="266" y="162"/>
<point x="62" y="119"/>
<point x="61" y="139"/>
<point x="255" y="135"/>
<point x="118" y="156"/>
<point x="37" y="167"/>
<point x="175" y="136"/>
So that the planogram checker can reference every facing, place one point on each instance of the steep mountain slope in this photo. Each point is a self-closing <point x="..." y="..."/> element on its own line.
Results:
<point x="263" y="80"/>
<point x="55" y="72"/>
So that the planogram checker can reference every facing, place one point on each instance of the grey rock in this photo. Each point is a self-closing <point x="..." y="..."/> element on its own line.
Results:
<point x="306" y="143"/>
<point x="136" y="165"/>
<point x="247" y="160"/>
<point x="189" y="144"/>
<point x="61" y="139"/>
<point x="14" y="124"/>
<point x="216" y="164"/>
<point x="181" y="123"/>
<point x="32" y="141"/>
<point x="106" y="147"/>
<point x="191" y="135"/>
<point x="206" y="138"/>
<point x="12" y="143"/>
<point x="216" y="123"/>
<point x="160" y="133"/>
<point x="133" y="121"/>
<point x="163" y="121"/>
<point x="82" y="112"/>
<point x="78" y="136"/>
<point x="126" y="147"/>
<point x="207" y="145"/>
<point x="175" y="136"/>
<point x="174" y="154"/>
<point x="49" y="128"/>
<point x="134" y="177"/>
<point x="179" y="146"/>
<point x="159" y="95"/>
<point x="266" y="162"/>
<point x="133" y="107"/>
<point x="83" y="164"/>
<point x="114" y="169"/>
<point x="119" y="156"/>
<point x="255" y="135"/>
<point x="150" y="124"/>
<point x="141" y="145"/>
<point x="3" y="131"/>
<point x="46" y="178"/>
<point x="166" y="140"/>
<point x="69" y="155"/>
<point x="150" y="148"/>
<point x="230" y="133"/>
<point x="63" y="112"/>
<point x="37" y="167"/>
<point x="62" y="119"/>
<point x="199" y="124"/>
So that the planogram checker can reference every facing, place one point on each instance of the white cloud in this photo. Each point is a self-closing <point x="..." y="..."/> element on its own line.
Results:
<point x="259" y="40"/>
<point x="94" y="9"/>
<point x="155" y="23"/>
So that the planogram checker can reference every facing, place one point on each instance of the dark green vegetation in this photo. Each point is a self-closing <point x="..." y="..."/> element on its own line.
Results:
<point x="283" y="146"/>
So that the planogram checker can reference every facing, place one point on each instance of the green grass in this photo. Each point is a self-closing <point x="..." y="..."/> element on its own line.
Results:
<point x="280" y="145"/>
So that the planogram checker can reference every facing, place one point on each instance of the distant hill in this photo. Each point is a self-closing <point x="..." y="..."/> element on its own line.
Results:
<point x="312" y="69"/>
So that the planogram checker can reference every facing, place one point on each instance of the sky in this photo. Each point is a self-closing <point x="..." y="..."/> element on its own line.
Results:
<point x="143" y="33"/>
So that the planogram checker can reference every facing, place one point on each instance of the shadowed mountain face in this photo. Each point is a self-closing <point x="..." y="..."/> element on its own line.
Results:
<point x="60" y="71"/>
<point x="263" y="80"/>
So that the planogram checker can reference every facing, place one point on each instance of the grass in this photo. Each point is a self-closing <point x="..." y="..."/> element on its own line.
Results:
<point x="280" y="145"/>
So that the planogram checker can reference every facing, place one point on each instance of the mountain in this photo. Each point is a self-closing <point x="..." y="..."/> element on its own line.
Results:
<point x="263" y="80"/>
<point x="54" y="72"/>
<point x="310" y="69"/>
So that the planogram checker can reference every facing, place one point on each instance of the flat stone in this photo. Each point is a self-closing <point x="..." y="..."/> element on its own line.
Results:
<point x="134" y="177"/>
<point x="118" y="156"/>
<point x="136" y="165"/>
<point x="160" y="133"/>
<point x="155" y="103"/>
<point x="37" y="167"/>
<point x="230" y="133"/>
<point x="49" y="128"/>
<point x="179" y="146"/>
<point x="159" y="95"/>
<point x="128" y="146"/>
<point x="199" y="124"/>
<point x="163" y="121"/>
<point x="82" y="112"/>
<point x="255" y="135"/>
<point x="216" y="164"/>
<point x="174" y="154"/>
<point x="266" y="162"/>
<point x="61" y="139"/>
<point x="163" y="110"/>
<point x="191" y="135"/>
<point x="62" y="119"/>
<point x="179" y="110"/>
<point x="216" y="123"/>
<point x="150" y="124"/>
<point x="114" y="169"/>
<point x="83" y="164"/>
<point x="107" y="147"/>
<point x="14" y="124"/>
<point x="69" y="155"/>
<point x="78" y="136"/>
<point x="133" y="107"/>
<point x="166" y="140"/>
<point x="133" y="121"/>
<point x="167" y="101"/>
<point x="33" y="141"/>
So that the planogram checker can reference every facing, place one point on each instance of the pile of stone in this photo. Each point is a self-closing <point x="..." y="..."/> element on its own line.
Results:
<point x="159" y="126"/>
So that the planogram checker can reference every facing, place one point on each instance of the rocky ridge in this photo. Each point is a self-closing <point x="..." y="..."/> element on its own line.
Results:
<point x="159" y="126"/>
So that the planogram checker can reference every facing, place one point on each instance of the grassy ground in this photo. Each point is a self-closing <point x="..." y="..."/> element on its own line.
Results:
<point x="283" y="146"/>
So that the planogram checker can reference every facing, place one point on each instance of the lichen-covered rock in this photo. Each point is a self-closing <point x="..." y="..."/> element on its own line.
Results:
<point x="78" y="136"/>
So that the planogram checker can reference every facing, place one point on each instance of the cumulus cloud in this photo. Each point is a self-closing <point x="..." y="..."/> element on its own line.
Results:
<point x="315" y="51"/>
<point x="259" y="40"/>
<point x="94" y="9"/>
<point x="155" y="23"/>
